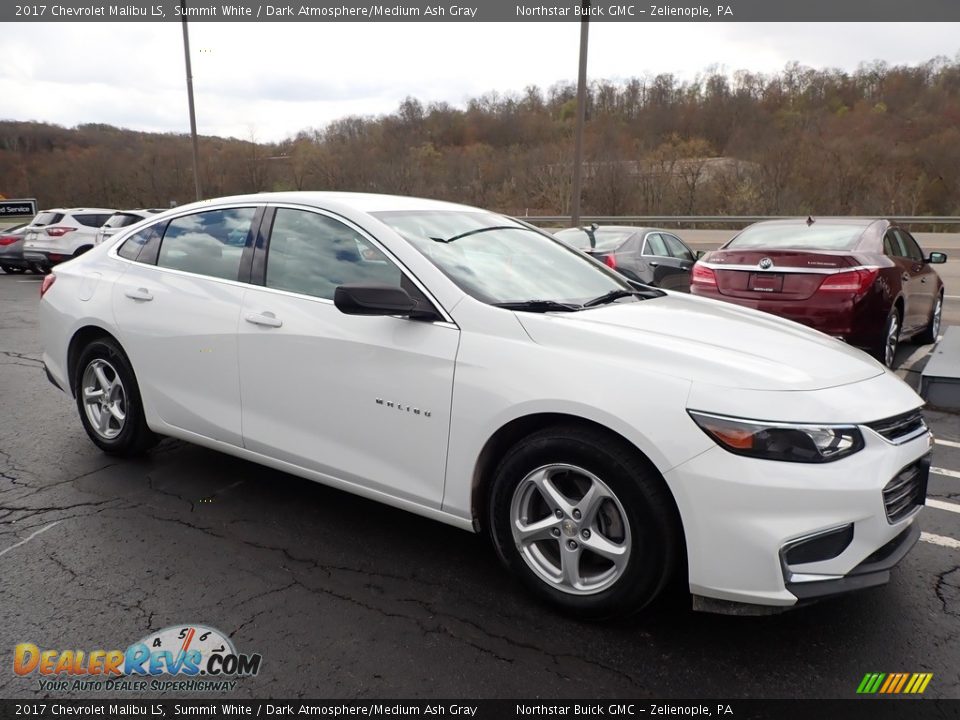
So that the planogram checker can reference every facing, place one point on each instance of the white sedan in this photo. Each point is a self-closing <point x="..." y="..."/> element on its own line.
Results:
<point x="610" y="438"/>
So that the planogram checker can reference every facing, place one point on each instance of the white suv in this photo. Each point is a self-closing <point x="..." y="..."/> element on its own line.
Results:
<point x="122" y="219"/>
<point x="60" y="234"/>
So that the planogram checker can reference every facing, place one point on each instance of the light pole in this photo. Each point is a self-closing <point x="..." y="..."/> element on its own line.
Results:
<point x="193" y="114"/>
<point x="581" y="117"/>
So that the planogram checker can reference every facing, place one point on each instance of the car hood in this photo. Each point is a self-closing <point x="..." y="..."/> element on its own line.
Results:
<point x="705" y="341"/>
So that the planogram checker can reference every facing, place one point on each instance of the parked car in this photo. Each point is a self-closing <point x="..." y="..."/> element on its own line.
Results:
<point x="11" y="250"/>
<point x="122" y="219"/>
<point x="648" y="255"/>
<point x="865" y="281"/>
<point x="461" y="365"/>
<point x="60" y="234"/>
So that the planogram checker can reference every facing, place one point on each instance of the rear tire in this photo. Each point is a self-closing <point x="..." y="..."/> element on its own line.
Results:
<point x="932" y="331"/>
<point x="12" y="269"/>
<point x="108" y="400"/>
<point x="585" y="521"/>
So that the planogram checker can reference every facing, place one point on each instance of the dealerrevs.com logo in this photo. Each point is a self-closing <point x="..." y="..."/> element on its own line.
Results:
<point x="178" y="658"/>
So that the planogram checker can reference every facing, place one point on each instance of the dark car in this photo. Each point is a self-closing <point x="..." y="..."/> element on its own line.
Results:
<point x="11" y="250"/>
<point x="648" y="255"/>
<point x="865" y="281"/>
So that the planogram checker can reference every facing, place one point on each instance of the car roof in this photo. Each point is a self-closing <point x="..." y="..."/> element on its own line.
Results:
<point x="608" y="228"/>
<point x="855" y="221"/>
<point x="77" y="210"/>
<point x="362" y="202"/>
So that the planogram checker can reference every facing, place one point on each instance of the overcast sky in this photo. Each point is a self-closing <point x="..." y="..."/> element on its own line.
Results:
<point x="267" y="81"/>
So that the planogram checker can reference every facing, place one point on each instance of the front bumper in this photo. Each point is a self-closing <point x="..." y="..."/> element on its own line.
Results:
<point x="740" y="514"/>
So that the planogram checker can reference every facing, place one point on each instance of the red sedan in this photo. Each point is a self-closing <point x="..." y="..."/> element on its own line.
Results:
<point x="864" y="281"/>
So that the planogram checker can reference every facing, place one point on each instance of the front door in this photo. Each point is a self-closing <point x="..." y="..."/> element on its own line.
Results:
<point x="362" y="399"/>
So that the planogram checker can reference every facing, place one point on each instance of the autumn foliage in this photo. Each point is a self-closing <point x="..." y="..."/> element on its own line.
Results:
<point x="883" y="140"/>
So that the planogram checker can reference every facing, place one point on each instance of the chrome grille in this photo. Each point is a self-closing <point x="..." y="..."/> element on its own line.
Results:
<point x="900" y="428"/>
<point x="907" y="490"/>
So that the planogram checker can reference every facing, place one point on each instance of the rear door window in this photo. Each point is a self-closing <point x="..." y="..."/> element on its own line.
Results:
<point x="207" y="243"/>
<point x="654" y="245"/>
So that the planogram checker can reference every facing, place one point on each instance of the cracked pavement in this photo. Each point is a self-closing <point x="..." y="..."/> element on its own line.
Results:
<point x="345" y="598"/>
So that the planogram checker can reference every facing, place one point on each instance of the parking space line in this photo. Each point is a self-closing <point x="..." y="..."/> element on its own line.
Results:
<point x="952" y="297"/>
<point x="29" y="537"/>
<point x="941" y="505"/>
<point x="916" y="356"/>
<point x="948" y="443"/>
<point x="945" y="472"/>
<point x="940" y="540"/>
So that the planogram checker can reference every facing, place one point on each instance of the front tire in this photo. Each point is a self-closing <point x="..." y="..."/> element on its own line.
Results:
<point x="886" y="348"/>
<point x="108" y="400"/>
<point x="932" y="331"/>
<point x="585" y="521"/>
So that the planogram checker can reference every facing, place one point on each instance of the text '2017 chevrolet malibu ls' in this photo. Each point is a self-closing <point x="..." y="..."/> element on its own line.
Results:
<point x="467" y="367"/>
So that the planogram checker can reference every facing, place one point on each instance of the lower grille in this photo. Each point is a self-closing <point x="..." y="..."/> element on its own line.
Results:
<point x="907" y="490"/>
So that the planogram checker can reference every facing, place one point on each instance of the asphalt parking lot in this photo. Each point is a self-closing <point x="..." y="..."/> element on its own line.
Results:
<point x="345" y="598"/>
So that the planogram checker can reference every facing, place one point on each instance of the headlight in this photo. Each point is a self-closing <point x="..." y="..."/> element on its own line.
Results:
<point x="780" y="441"/>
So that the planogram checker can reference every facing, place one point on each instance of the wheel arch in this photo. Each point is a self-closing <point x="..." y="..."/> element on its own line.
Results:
<point x="80" y="339"/>
<point x="516" y="430"/>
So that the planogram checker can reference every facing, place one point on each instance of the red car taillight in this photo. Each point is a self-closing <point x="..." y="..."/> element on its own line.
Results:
<point x="8" y="240"/>
<point x="853" y="281"/>
<point x="610" y="261"/>
<point x="58" y="231"/>
<point x="47" y="283"/>
<point x="703" y="275"/>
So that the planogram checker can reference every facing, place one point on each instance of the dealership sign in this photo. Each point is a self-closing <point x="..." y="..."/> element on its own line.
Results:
<point x="17" y="208"/>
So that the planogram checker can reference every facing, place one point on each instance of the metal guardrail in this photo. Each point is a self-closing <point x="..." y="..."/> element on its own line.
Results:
<point x="694" y="220"/>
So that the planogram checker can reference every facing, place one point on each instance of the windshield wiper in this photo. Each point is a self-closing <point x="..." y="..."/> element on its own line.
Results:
<point x="540" y="306"/>
<point x="483" y="230"/>
<point x="620" y="293"/>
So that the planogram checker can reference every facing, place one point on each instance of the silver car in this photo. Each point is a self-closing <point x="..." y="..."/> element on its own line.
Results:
<point x="11" y="250"/>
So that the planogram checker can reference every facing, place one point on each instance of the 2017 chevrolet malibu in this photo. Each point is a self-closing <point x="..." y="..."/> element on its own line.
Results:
<point x="461" y="365"/>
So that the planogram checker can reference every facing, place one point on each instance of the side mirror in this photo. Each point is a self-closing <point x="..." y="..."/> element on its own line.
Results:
<point x="937" y="258"/>
<point x="373" y="300"/>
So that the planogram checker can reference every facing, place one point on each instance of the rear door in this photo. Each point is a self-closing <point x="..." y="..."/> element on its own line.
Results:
<point x="665" y="268"/>
<point x="177" y="307"/>
<point x="361" y="399"/>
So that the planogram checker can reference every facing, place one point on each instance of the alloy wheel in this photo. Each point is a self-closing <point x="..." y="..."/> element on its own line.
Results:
<point x="570" y="529"/>
<point x="893" y="338"/>
<point x="935" y="320"/>
<point x="104" y="399"/>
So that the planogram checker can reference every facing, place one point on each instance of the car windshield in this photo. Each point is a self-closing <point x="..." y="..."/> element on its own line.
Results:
<point x="498" y="260"/>
<point x="606" y="239"/>
<point x="818" y="236"/>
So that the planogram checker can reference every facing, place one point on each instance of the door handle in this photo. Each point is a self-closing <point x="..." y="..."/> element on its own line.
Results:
<point x="653" y="264"/>
<point x="266" y="319"/>
<point x="141" y="294"/>
<point x="684" y="267"/>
